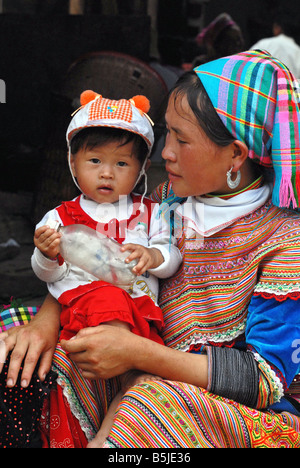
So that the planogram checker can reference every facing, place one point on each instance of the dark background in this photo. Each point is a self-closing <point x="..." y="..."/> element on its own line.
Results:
<point x="39" y="41"/>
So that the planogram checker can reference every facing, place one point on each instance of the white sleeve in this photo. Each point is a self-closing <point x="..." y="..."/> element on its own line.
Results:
<point x="160" y="238"/>
<point x="46" y="269"/>
<point x="52" y="215"/>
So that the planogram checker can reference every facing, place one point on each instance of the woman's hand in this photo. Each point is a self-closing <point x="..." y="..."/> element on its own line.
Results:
<point x="102" y="352"/>
<point x="107" y="351"/>
<point x="33" y="343"/>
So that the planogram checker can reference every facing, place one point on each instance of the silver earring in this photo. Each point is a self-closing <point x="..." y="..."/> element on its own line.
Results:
<point x="232" y="184"/>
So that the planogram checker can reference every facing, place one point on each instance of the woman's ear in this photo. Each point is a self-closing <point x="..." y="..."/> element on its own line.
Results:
<point x="240" y="154"/>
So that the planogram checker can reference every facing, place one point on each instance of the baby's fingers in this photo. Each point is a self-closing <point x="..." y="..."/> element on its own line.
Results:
<point x="142" y="265"/>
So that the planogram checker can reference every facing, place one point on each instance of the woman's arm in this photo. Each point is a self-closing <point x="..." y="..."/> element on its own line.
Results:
<point x="105" y="351"/>
<point x="33" y="342"/>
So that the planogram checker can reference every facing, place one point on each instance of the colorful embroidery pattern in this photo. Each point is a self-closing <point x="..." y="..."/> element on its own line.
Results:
<point x="223" y="273"/>
<point x="174" y="414"/>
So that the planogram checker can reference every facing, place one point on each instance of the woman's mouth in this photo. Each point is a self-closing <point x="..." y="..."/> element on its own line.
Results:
<point x="173" y="176"/>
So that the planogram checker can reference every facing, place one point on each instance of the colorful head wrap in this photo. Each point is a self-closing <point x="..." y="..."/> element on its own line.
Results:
<point x="257" y="98"/>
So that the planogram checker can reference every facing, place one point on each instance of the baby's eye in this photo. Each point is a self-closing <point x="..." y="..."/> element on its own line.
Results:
<point x="122" y="163"/>
<point x="95" y="161"/>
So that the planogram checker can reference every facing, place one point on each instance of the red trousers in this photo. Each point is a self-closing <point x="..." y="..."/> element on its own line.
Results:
<point x="99" y="302"/>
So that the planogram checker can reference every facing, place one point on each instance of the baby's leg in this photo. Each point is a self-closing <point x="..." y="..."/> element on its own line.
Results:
<point x="129" y="379"/>
<point x="107" y="423"/>
<point x="136" y="377"/>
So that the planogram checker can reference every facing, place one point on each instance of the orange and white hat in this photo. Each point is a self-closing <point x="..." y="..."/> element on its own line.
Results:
<point x="97" y="111"/>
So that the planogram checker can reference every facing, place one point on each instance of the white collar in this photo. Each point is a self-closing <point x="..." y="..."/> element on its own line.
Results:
<point x="104" y="212"/>
<point x="206" y="216"/>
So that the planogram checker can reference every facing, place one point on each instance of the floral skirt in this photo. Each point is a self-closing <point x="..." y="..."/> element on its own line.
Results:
<point x="158" y="414"/>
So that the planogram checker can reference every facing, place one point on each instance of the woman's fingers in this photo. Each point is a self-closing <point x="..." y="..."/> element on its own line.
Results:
<point x="8" y="341"/>
<point x="45" y="364"/>
<point x="26" y="350"/>
<point x="16" y="358"/>
<point x="101" y="351"/>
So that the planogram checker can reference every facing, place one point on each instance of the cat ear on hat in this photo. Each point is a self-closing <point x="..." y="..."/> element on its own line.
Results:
<point x="88" y="96"/>
<point x="141" y="103"/>
<point x="143" y="106"/>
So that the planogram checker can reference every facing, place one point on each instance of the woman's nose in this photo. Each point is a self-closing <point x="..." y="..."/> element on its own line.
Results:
<point x="167" y="152"/>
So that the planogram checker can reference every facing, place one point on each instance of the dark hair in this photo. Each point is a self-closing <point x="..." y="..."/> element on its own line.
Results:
<point x="190" y="86"/>
<point x="92" y="137"/>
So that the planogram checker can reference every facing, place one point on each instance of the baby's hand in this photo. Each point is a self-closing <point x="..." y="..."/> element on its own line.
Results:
<point x="47" y="240"/>
<point x="147" y="257"/>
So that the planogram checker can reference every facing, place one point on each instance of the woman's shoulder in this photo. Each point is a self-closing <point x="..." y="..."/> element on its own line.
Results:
<point x="287" y="222"/>
<point x="160" y="193"/>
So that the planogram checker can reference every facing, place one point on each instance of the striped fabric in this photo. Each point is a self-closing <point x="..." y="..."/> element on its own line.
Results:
<point x="221" y="273"/>
<point x="176" y="415"/>
<point x="169" y="414"/>
<point x="256" y="97"/>
<point x="207" y="301"/>
<point x="88" y="399"/>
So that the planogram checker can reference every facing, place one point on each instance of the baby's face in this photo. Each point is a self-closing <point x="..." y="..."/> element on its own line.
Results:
<point x="106" y="172"/>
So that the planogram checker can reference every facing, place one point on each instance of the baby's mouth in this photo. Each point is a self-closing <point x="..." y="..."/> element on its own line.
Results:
<point x="105" y="188"/>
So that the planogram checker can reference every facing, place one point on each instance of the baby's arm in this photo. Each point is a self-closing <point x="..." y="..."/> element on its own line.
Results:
<point x="47" y="240"/>
<point x="44" y="259"/>
<point x="160" y="238"/>
<point x="147" y="258"/>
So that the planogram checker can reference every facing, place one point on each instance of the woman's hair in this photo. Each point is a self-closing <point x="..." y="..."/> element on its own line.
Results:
<point x="189" y="85"/>
<point x="90" y="138"/>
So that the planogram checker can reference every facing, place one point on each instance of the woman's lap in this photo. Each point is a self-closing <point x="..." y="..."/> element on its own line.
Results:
<point x="158" y="414"/>
<point x="174" y="414"/>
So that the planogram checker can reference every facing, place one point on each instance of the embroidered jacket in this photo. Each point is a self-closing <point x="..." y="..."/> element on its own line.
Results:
<point x="240" y="288"/>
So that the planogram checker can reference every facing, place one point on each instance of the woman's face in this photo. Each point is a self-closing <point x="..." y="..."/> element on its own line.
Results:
<point x="194" y="163"/>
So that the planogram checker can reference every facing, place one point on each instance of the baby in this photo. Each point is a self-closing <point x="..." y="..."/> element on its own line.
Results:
<point x="109" y="146"/>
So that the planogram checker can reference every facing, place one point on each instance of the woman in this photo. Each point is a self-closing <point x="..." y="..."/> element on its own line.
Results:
<point x="231" y="311"/>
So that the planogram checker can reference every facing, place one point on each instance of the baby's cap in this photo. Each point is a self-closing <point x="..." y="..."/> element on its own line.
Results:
<point x="97" y="111"/>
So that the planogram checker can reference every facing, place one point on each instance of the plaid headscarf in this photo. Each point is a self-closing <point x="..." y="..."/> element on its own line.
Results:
<point x="257" y="98"/>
